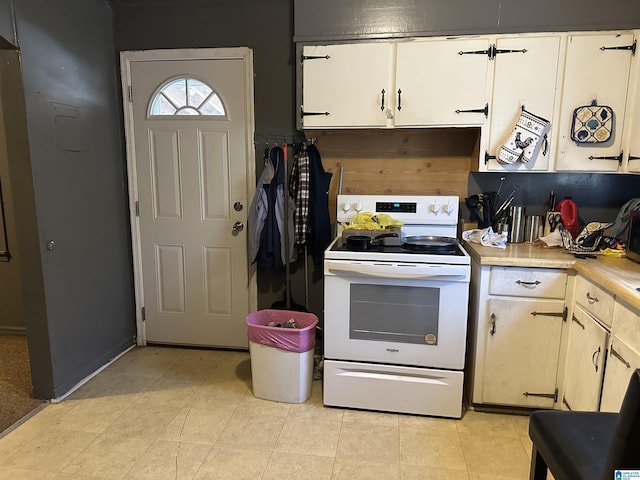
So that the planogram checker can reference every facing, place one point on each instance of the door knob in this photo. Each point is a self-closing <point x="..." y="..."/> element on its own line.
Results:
<point x="238" y="227"/>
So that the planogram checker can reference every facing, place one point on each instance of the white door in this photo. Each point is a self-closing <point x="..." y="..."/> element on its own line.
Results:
<point x="346" y="85"/>
<point x="426" y="69"/>
<point x="537" y="58"/>
<point x="189" y="130"/>
<point x="522" y="352"/>
<point x="586" y="353"/>
<point x="597" y="68"/>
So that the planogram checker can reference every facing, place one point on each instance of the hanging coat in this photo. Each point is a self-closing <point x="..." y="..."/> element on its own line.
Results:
<point x="278" y="224"/>
<point x="299" y="190"/>
<point x="319" y="236"/>
<point x="257" y="213"/>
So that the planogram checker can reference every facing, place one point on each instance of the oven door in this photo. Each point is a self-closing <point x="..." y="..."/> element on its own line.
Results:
<point x="396" y="313"/>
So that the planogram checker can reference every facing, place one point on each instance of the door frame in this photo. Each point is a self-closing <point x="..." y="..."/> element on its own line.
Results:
<point x="126" y="59"/>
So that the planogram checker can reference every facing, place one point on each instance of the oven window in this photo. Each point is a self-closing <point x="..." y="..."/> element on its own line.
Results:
<point x="394" y="314"/>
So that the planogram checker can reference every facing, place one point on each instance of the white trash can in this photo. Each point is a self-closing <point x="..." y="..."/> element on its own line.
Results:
<point x="281" y="358"/>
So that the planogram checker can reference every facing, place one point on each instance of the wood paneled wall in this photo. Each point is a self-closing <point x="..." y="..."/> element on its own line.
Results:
<point x="397" y="161"/>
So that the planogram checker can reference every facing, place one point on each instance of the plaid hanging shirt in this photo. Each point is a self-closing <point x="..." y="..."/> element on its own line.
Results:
<point x="299" y="190"/>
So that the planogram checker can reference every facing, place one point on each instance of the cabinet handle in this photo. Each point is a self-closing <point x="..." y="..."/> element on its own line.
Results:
<point x="528" y="284"/>
<point x="619" y="357"/>
<point x="399" y="99"/>
<point x="592" y="299"/>
<point x="594" y="357"/>
<point x="574" y="319"/>
<point x="492" y="324"/>
<point x="382" y="103"/>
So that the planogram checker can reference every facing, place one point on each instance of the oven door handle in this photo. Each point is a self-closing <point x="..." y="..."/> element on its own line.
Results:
<point x="394" y="270"/>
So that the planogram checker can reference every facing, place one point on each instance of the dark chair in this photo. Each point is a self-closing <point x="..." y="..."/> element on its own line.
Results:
<point x="587" y="445"/>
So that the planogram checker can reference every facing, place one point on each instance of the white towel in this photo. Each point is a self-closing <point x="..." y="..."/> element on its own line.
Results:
<point x="486" y="237"/>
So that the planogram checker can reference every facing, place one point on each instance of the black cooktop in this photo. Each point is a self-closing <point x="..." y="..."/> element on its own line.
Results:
<point x="341" y="246"/>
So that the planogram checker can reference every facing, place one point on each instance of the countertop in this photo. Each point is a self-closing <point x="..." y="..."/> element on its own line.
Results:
<point x="621" y="276"/>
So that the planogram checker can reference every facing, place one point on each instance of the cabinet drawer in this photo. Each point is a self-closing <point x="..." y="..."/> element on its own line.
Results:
<point x="528" y="282"/>
<point x="595" y="300"/>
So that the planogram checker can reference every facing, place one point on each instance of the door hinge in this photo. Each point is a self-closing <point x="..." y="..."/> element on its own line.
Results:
<point x="566" y="404"/>
<point x="562" y="314"/>
<point x="484" y="110"/>
<point x="314" y="57"/>
<point x="609" y="157"/>
<point x="553" y="395"/>
<point x="631" y="47"/>
<point x="614" y="353"/>
<point x="580" y="324"/>
<point x="306" y="114"/>
<point x="137" y="208"/>
<point x="492" y="51"/>
<point x="130" y="93"/>
<point x="144" y="314"/>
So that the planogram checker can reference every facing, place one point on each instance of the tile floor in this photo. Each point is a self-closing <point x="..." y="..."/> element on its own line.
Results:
<point x="164" y="413"/>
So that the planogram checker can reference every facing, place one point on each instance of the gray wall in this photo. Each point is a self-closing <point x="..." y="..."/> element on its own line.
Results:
<point x="266" y="26"/>
<point x="80" y="308"/>
<point x="598" y="196"/>
<point x="358" y="19"/>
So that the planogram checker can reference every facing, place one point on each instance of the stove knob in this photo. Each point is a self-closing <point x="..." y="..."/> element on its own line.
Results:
<point x="448" y="208"/>
<point x="346" y="207"/>
<point x="358" y="206"/>
<point x="435" y="208"/>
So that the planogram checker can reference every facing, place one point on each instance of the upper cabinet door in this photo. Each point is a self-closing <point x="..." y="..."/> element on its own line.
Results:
<point x="525" y="76"/>
<point x="346" y="85"/>
<point x="441" y="82"/>
<point x="632" y="124"/>
<point x="596" y="68"/>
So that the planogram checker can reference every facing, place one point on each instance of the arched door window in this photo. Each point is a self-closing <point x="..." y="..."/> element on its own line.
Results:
<point x="186" y="96"/>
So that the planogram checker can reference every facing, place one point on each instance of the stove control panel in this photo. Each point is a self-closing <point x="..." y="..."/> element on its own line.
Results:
<point x="409" y="209"/>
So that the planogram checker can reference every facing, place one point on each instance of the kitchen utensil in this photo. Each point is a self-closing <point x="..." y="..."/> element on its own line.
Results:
<point x="365" y="242"/>
<point x="552" y="221"/>
<point x="516" y="220"/>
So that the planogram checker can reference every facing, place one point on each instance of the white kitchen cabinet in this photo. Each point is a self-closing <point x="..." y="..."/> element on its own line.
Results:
<point x="586" y="353"/>
<point x="517" y="319"/>
<point x="522" y="352"/>
<point x="441" y="82"/>
<point x="346" y="85"/>
<point x="632" y="120"/>
<point x="596" y="68"/>
<point x="525" y="76"/>
<point x="623" y="358"/>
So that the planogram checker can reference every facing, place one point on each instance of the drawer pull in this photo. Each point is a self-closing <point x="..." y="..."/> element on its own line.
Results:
<point x="528" y="284"/>
<point x="574" y="319"/>
<point x="594" y="358"/>
<point x="619" y="357"/>
<point x="492" y="323"/>
<point x="592" y="299"/>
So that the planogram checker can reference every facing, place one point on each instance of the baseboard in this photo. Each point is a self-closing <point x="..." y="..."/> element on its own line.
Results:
<point x="90" y="376"/>
<point x="8" y="330"/>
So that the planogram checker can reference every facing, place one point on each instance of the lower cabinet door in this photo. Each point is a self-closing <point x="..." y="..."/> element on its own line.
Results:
<point x="621" y="363"/>
<point x="522" y="345"/>
<point x="586" y="353"/>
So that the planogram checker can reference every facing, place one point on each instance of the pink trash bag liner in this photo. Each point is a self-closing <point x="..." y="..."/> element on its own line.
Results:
<point x="299" y="340"/>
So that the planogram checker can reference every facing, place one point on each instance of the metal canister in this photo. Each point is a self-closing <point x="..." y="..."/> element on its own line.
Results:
<point x="532" y="228"/>
<point x="516" y="222"/>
